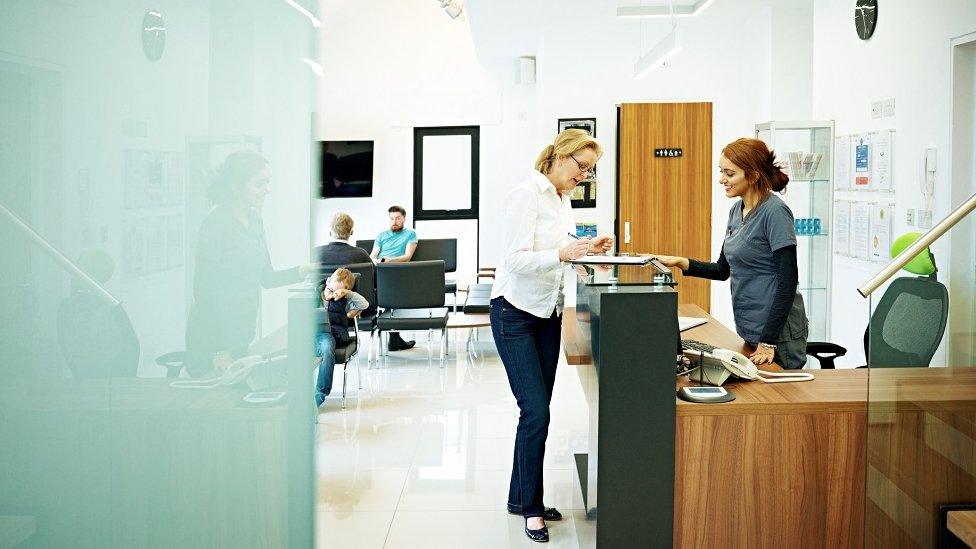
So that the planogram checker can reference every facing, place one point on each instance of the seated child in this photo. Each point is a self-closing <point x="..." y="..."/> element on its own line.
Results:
<point x="342" y="303"/>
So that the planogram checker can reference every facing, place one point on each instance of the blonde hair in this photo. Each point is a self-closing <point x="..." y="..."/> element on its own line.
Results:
<point x="567" y="142"/>
<point x="342" y="226"/>
<point x="345" y="276"/>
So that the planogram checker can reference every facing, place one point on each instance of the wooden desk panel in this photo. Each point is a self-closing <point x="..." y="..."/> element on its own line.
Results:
<point x="783" y="465"/>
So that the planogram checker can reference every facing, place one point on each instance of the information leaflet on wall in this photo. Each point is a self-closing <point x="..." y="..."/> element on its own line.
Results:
<point x="862" y="161"/>
<point x="881" y="160"/>
<point x="842" y="227"/>
<point x="842" y="162"/>
<point x="881" y="215"/>
<point x="860" y="230"/>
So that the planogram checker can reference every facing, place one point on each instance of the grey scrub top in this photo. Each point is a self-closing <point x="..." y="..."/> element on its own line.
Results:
<point x="749" y="247"/>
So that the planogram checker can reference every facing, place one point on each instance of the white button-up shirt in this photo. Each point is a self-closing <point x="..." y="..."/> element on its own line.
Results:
<point x="537" y="223"/>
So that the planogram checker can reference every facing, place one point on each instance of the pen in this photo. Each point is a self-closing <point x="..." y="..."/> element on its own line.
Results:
<point x="573" y="236"/>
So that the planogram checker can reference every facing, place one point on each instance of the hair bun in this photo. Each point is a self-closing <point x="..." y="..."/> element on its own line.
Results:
<point x="779" y="178"/>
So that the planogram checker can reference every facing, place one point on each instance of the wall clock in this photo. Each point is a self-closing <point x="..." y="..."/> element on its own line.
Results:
<point x="153" y="35"/>
<point x="865" y="18"/>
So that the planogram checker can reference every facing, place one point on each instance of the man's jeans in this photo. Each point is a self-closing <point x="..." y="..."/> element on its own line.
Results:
<point x="529" y="349"/>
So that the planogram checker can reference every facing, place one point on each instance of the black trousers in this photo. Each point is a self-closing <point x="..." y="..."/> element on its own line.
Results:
<point x="529" y="349"/>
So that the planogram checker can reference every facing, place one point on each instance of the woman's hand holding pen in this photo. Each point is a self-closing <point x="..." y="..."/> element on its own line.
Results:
<point x="574" y="250"/>
<point x="601" y="244"/>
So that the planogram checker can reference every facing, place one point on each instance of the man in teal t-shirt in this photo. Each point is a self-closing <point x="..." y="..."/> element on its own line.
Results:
<point x="396" y="245"/>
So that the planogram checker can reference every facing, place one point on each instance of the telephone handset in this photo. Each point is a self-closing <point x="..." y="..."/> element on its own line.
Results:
<point x="715" y="367"/>
<point x="232" y="375"/>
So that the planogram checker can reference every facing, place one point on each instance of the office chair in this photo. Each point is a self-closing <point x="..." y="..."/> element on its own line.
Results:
<point x="908" y="324"/>
<point x="96" y="338"/>
<point x="412" y="296"/>
<point x="445" y="249"/>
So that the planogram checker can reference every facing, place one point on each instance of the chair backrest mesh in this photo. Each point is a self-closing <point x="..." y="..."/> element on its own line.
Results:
<point x="908" y="324"/>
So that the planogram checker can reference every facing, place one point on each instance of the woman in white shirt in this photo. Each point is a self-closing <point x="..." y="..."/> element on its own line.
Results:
<point x="527" y="303"/>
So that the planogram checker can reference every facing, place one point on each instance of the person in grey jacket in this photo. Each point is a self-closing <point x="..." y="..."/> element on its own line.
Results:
<point x="341" y="303"/>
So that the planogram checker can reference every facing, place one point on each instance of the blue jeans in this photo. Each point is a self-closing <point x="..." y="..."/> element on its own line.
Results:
<point x="325" y="348"/>
<point x="529" y="349"/>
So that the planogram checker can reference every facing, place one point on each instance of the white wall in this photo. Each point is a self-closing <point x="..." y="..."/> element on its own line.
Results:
<point x="907" y="59"/>
<point x="379" y="72"/>
<point x="390" y="66"/>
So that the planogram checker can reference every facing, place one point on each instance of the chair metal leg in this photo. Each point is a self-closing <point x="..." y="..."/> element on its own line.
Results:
<point x="443" y="345"/>
<point x="344" y="385"/>
<point x="359" y="373"/>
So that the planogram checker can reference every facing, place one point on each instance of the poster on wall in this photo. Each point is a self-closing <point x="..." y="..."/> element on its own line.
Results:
<point x="586" y="229"/>
<point x="842" y="162"/>
<point x="862" y="161"/>
<point x="860" y="230"/>
<point x="881" y="215"/>
<point x="881" y="160"/>
<point x="584" y="195"/>
<point x="586" y="124"/>
<point x="842" y="227"/>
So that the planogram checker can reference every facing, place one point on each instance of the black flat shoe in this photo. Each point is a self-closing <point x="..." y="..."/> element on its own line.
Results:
<point x="550" y="513"/>
<point x="541" y="535"/>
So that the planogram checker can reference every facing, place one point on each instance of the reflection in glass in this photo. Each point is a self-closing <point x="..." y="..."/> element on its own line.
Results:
<point x="107" y="156"/>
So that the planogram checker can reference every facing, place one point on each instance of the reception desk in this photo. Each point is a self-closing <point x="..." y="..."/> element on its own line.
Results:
<point x="783" y="465"/>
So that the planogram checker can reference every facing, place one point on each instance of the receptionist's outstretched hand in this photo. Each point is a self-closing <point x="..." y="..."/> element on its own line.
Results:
<point x="601" y="244"/>
<point x="672" y="261"/>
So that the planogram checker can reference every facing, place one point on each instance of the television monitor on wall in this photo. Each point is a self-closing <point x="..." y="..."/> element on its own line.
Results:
<point x="346" y="169"/>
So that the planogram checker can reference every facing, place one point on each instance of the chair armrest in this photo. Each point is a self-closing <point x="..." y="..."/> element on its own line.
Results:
<point x="825" y="348"/>
<point x="825" y="352"/>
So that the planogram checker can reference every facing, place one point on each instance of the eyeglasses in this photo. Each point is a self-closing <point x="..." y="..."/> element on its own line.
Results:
<point x="587" y="172"/>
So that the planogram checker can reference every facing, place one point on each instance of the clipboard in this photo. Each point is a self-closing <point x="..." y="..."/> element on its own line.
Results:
<point x="612" y="260"/>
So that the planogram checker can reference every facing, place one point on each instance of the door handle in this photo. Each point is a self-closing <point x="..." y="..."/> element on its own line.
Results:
<point x="626" y="232"/>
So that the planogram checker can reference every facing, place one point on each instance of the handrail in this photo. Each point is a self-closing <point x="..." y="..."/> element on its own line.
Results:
<point x="889" y="270"/>
<point x="57" y="256"/>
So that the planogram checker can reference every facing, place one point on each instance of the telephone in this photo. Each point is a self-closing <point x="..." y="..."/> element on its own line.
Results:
<point x="237" y="372"/>
<point x="713" y="368"/>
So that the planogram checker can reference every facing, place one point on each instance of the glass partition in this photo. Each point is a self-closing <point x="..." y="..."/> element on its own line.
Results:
<point x="921" y="413"/>
<point x="154" y="206"/>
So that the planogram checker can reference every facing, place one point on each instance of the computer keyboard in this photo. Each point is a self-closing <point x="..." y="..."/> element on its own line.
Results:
<point x="692" y="345"/>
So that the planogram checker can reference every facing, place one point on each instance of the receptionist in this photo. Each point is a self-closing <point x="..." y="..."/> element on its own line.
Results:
<point x="759" y="255"/>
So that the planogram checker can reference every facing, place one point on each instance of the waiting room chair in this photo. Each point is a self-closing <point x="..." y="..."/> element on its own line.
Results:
<point x="366" y="287"/>
<point x="429" y="249"/>
<point x="477" y="300"/>
<point x="344" y="353"/>
<point x="905" y="329"/>
<point x="412" y="298"/>
<point x="365" y="245"/>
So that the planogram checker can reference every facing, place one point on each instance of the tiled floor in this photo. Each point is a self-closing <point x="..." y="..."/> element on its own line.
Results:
<point x="421" y="456"/>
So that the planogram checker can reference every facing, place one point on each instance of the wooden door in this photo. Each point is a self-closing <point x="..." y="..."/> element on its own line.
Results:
<point x="664" y="202"/>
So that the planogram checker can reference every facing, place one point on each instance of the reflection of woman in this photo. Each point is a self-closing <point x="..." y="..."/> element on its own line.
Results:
<point x="232" y="264"/>
<point x="759" y="254"/>
<point x="527" y="304"/>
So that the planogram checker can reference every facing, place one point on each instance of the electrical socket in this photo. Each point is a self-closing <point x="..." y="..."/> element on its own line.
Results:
<point x="889" y="107"/>
<point x="910" y="217"/>
<point x="876" y="109"/>
<point x="925" y="219"/>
